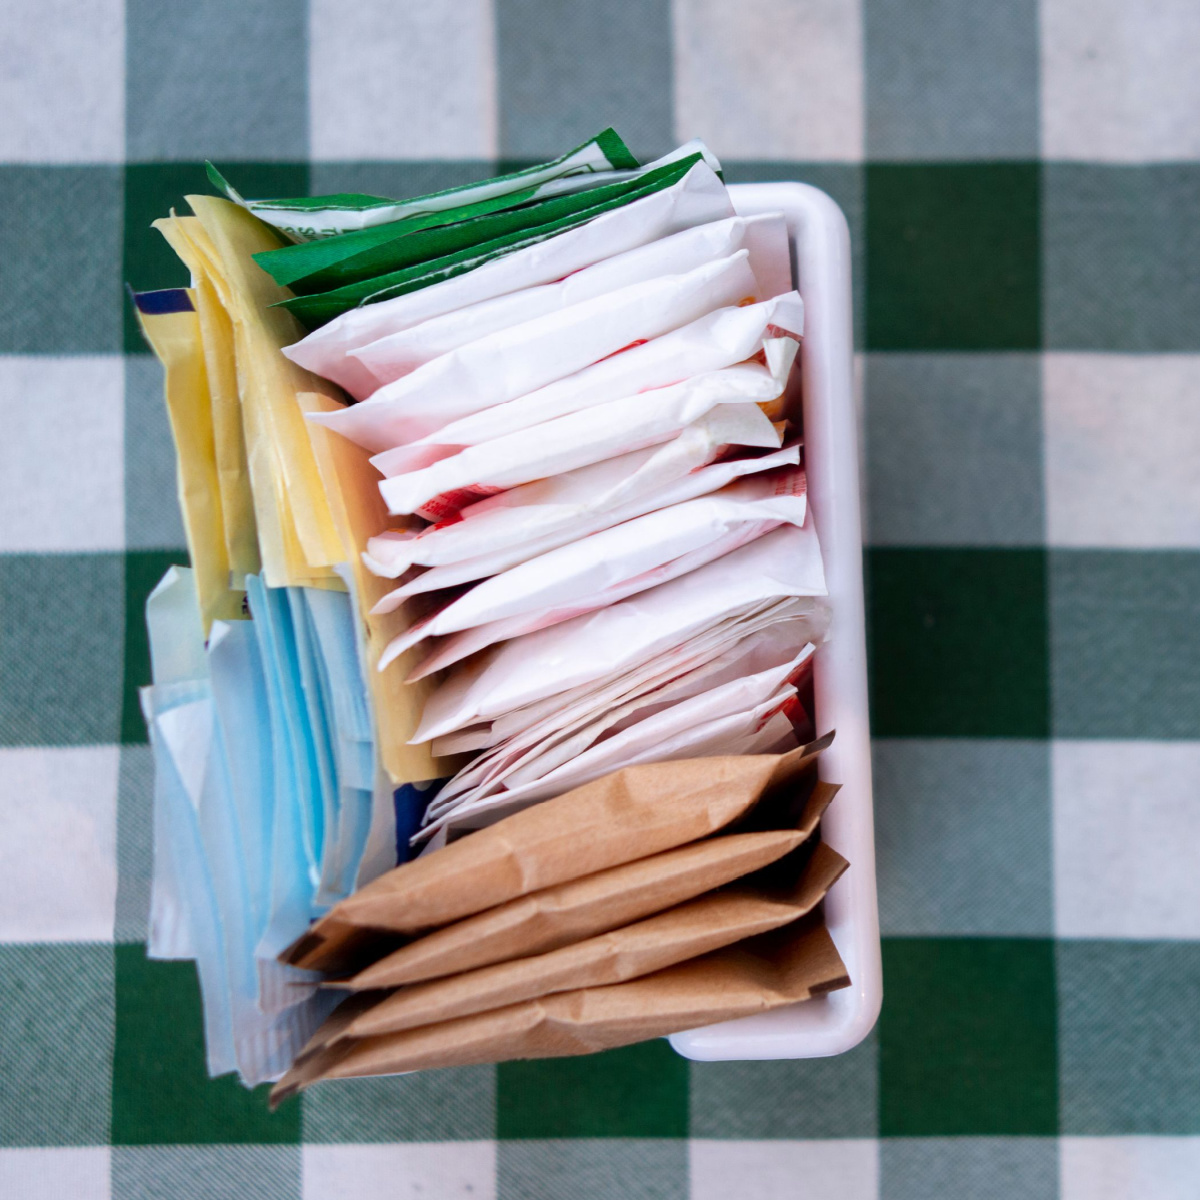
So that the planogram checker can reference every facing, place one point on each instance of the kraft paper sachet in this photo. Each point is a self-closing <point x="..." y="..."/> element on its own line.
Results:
<point x="312" y="217"/>
<point x="321" y="307"/>
<point x="625" y="816"/>
<point x="358" y="510"/>
<point x="662" y="940"/>
<point x="765" y="973"/>
<point x="187" y="238"/>
<point x="172" y="327"/>
<point x="584" y="907"/>
<point x="296" y="531"/>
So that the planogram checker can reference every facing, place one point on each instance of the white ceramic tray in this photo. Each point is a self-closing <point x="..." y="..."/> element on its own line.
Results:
<point x="820" y="244"/>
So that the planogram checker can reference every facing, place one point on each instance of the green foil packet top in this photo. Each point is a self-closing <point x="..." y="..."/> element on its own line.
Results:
<point x="319" y="309"/>
<point x="370" y="253"/>
<point x="308" y="218"/>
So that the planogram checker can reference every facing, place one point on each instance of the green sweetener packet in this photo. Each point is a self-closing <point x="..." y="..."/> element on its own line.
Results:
<point x="318" y="309"/>
<point x="369" y="253"/>
<point x="305" y="219"/>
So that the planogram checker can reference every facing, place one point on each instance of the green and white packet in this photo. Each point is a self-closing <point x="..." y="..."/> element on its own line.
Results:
<point x="305" y="219"/>
<point x="316" y="310"/>
<point x="362" y="254"/>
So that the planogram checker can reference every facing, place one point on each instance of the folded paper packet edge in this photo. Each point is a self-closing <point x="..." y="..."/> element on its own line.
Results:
<point x="805" y="965"/>
<point x="475" y="931"/>
<point x="763" y="909"/>
<point x="501" y="843"/>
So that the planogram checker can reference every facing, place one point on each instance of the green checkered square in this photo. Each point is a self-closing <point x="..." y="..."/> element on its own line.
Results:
<point x="958" y="643"/>
<point x="161" y="1092"/>
<point x="953" y="256"/>
<point x="637" y="1092"/>
<point x="967" y="1037"/>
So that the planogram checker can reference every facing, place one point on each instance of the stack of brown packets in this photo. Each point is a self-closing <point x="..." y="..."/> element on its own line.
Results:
<point x="604" y="917"/>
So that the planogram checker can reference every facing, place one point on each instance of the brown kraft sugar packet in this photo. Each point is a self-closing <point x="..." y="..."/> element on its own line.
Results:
<point x="623" y="817"/>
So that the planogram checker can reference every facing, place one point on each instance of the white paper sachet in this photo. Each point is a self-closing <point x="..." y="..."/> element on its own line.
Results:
<point x="719" y="339"/>
<point x="582" y="703"/>
<point x="443" y="489"/>
<point x="786" y="562"/>
<point x="492" y="540"/>
<point x="699" y="197"/>
<point x="511" y="362"/>
<point x="564" y="734"/>
<point x="608" y="566"/>
<point x="765" y="237"/>
<point x="722" y="720"/>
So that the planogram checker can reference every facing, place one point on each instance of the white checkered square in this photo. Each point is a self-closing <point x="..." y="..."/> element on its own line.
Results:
<point x="62" y="82"/>
<point x="388" y="83"/>
<point x="62" y="456"/>
<point x="1129" y="1168"/>
<point x="445" y="1170"/>
<point x="770" y="79"/>
<point x="847" y="1168"/>
<point x="80" y="1173"/>
<point x="58" y="843"/>
<point x="1126" y="829"/>
<point x="1119" y="80"/>
<point x="1122" y="444"/>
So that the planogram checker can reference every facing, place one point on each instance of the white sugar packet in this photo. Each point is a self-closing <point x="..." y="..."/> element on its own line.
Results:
<point x="582" y="703"/>
<point x="714" y="722"/>
<point x="541" y="748"/>
<point x="603" y="569"/>
<point x="718" y="339"/>
<point x="588" y="563"/>
<point x="518" y="533"/>
<point x="455" y="647"/>
<point x="765" y="238"/>
<point x="699" y="197"/>
<point x="786" y="562"/>
<point x="494" y="534"/>
<point x="442" y="489"/>
<point x="513" y="361"/>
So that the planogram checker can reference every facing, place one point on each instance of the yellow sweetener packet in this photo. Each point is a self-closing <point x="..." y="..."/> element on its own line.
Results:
<point x="172" y="327"/>
<point x="349" y="481"/>
<point x="187" y="238"/>
<point x="298" y="540"/>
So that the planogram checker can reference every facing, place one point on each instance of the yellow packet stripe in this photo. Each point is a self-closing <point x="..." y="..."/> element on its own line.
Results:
<point x="269" y="381"/>
<point x="358" y="509"/>
<point x="175" y="338"/>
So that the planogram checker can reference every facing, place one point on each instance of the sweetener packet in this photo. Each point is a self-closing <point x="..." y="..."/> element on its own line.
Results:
<point x="319" y="307"/>
<point x="569" y="731"/>
<point x="370" y="253"/>
<point x="171" y="325"/>
<point x="308" y="217"/>
<point x="752" y="977"/>
<point x="511" y="362"/>
<point x="719" y="339"/>
<point x="799" y="620"/>
<point x="596" y="903"/>
<point x="441" y="490"/>
<point x="514" y="525"/>
<point x="629" y="815"/>
<point x="617" y="562"/>
<point x="455" y="647"/>
<point x="726" y="719"/>
<point x="696" y="927"/>
<point x="783" y="563"/>
<point x="765" y="237"/>
<point x="698" y="198"/>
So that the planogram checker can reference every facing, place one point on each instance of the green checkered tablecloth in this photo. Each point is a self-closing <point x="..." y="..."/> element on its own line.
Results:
<point x="1022" y="181"/>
